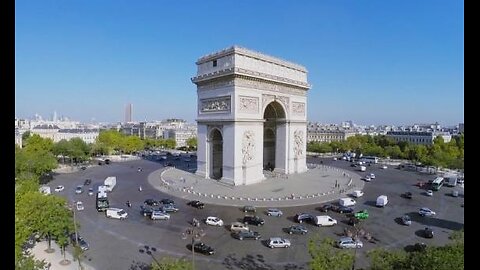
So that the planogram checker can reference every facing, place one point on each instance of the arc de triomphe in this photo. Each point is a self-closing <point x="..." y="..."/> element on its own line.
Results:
<point x="251" y="116"/>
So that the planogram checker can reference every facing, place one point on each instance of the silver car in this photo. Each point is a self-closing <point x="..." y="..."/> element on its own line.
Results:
<point x="159" y="215"/>
<point x="274" y="212"/>
<point x="348" y="242"/>
<point x="424" y="211"/>
<point x="278" y="242"/>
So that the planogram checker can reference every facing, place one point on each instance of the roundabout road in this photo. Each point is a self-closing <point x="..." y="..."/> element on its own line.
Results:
<point x="116" y="244"/>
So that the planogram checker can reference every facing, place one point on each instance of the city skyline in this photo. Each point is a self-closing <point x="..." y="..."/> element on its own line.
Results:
<point x="366" y="62"/>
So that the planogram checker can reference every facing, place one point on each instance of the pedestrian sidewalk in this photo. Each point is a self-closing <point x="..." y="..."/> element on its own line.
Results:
<point x="319" y="184"/>
<point x="55" y="258"/>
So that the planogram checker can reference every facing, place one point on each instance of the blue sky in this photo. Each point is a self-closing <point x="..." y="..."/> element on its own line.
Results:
<point x="373" y="62"/>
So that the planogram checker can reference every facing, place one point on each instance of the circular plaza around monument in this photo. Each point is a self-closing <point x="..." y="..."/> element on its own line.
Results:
<point x="319" y="184"/>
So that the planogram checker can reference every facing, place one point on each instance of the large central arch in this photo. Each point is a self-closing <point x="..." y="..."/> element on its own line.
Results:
<point x="216" y="154"/>
<point x="251" y="116"/>
<point x="273" y="149"/>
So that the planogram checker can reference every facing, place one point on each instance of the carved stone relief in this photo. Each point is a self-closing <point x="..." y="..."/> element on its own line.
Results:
<point x="298" y="108"/>
<point x="221" y="104"/>
<point x="284" y="100"/>
<point x="248" y="146"/>
<point x="298" y="143"/>
<point x="248" y="104"/>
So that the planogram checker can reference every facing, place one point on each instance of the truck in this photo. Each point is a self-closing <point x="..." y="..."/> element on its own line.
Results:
<point x="382" y="200"/>
<point x="110" y="182"/>
<point x="102" y="201"/>
<point x="347" y="202"/>
<point x="452" y="181"/>
<point x="324" y="221"/>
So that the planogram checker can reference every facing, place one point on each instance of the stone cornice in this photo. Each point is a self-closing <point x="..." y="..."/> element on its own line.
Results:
<point x="249" y="74"/>
<point x="253" y="54"/>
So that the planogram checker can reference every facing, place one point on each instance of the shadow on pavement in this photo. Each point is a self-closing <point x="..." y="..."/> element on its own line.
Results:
<point x="436" y="222"/>
<point x="255" y="262"/>
<point x="136" y="265"/>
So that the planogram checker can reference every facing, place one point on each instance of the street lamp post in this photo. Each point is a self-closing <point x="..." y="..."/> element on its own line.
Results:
<point x="75" y="224"/>
<point x="197" y="234"/>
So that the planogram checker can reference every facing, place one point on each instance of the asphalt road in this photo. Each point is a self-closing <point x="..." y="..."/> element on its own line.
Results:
<point x="135" y="242"/>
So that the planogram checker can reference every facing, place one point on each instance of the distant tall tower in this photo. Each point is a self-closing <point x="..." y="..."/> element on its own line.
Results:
<point x="128" y="113"/>
<point x="54" y="116"/>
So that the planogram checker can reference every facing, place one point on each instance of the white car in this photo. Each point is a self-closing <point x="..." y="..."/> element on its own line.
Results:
<point x="238" y="227"/>
<point x="384" y="167"/>
<point x="59" y="188"/>
<point x="429" y="192"/>
<point x="424" y="211"/>
<point x="279" y="242"/>
<point x="159" y="215"/>
<point x="357" y="193"/>
<point x="90" y="192"/>
<point x="372" y="176"/>
<point x="214" y="221"/>
<point x="367" y="178"/>
<point x="80" y="206"/>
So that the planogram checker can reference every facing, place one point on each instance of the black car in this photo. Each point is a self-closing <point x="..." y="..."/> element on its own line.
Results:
<point x="81" y="242"/>
<point x="196" y="204"/>
<point x="344" y="209"/>
<point x="300" y="218"/>
<point x="146" y="210"/>
<point x="407" y="195"/>
<point x="297" y="229"/>
<point x="428" y="232"/>
<point x="107" y="161"/>
<point x="151" y="202"/>
<point x="202" y="248"/>
<point x="326" y="207"/>
<point x="167" y="201"/>
<point x="253" y="220"/>
<point x="246" y="235"/>
<point x="87" y="182"/>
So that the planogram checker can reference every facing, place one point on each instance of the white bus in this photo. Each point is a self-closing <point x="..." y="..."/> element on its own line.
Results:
<point x="369" y="159"/>
<point x="437" y="183"/>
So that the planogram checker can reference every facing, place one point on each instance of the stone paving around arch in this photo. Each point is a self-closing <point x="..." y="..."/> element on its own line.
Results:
<point x="319" y="184"/>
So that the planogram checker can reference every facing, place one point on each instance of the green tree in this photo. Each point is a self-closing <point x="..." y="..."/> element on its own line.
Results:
<point x="172" y="264"/>
<point x="326" y="257"/>
<point x="381" y="259"/>
<point x="36" y="162"/>
<point x="37" y="143"/>
<point x="131" y="144"/>
<point x="192" y="143"/>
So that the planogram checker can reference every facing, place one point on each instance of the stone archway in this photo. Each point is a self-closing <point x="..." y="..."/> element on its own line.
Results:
<point x="216" y="154"/>
<point x="274" y="117"/>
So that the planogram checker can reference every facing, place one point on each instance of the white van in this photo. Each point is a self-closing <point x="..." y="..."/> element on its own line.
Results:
<point x="117" y="213"/>
<point x="382" y="200"/>
<point x="363" y="168"/>
<point x="347" y="202"/>
<point x="324" y="221"/>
